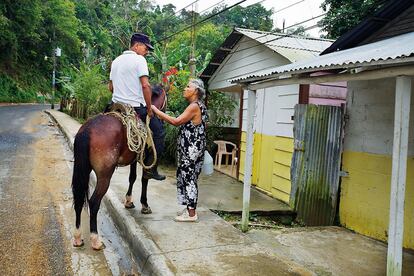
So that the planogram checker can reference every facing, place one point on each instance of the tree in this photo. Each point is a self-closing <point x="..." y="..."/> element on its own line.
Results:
<point x="19" y="22"/>
<point x="254" y="17"/>
<point x="208" y="39"/>
<point x="30" y="31"/>
<point x="94" y="32"/>
<point x="300" y="30"/>
<point x="343" y="15"/>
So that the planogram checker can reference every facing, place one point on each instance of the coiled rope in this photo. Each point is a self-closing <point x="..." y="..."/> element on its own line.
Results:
<point x="138" y="134"/>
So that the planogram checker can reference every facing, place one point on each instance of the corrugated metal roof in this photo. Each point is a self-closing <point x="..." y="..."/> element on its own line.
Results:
<point x="389" y="49"/>
<point x="292" y="47"/>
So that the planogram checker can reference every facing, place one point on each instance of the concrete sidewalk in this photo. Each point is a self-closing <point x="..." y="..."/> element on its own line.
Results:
<point x="164" y="247"/>
<point x="214" y="247"/>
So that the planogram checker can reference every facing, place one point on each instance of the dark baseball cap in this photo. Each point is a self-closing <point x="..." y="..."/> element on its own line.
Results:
<point x="143" y="38"/>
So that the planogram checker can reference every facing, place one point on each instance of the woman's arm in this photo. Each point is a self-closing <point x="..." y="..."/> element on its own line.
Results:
<point x="186" y="116"/>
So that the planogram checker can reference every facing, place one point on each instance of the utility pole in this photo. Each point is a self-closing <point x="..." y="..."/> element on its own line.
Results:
<point x="192" y="62"/>
<point x="57" y="52"/>
<point x="54" y="78"/>
<point x="164" y="66"/>
<point x="54" y="70"/>
<point x="164" y="63"/>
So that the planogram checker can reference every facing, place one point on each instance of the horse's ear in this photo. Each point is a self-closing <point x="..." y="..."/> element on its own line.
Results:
<point x="166" y="87"/>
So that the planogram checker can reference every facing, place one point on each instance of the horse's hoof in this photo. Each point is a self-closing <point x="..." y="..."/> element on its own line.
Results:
<point x="146" y="210"/>
<point x="129" y="205"/>
<point x="101" y="247"/>
<point x="75" y="244"/>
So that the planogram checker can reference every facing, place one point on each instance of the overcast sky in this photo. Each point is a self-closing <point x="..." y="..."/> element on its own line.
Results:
<point x="303" y="10"/>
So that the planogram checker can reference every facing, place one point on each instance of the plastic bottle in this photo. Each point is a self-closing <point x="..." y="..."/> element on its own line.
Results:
<point x="207" y="168"/>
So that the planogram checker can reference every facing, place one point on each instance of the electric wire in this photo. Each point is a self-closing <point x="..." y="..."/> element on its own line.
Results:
<point x="201" y="21"/>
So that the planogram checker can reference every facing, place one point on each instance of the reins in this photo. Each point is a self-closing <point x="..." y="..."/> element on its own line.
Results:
<point x="138" y="134"/>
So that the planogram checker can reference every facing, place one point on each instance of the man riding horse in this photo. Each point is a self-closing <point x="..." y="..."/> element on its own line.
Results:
<point x="101" y="143"/>
<point x="129" y="84"/>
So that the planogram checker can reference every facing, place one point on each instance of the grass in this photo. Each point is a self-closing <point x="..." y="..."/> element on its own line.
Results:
<point x="257" y="221"/>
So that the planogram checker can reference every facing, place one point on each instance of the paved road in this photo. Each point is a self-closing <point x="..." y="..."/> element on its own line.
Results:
<point x="36" y="215"/>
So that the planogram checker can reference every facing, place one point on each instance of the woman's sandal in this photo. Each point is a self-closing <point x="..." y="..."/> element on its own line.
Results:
<point x="103" y="246"/>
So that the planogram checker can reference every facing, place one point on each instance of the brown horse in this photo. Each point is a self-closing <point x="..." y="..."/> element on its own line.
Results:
<point x="101" y="145"/>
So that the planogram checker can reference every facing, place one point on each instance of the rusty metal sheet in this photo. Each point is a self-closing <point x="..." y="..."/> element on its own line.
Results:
<point x="316" y="162"/>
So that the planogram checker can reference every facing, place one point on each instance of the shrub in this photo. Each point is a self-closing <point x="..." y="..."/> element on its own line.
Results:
<point x="11" y="92"/>
<point x="87" y="91"/>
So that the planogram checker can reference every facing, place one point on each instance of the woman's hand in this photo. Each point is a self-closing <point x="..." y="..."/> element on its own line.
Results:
<point x="155" y="109"/>
<point x="186" y="116"/>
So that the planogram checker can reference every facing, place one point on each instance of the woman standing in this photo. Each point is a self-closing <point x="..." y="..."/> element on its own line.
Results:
<point x="190" y="147"/>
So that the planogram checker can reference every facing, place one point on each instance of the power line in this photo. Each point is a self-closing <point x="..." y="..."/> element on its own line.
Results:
<point x="201" y="12"/>
<point x="192" y="3"/>
<point x="201" y="21"/>
<point x="285" y="8"/>
<point x="175" y="14"/>
<point x="306" y="20"/>
<point x="277" y="33"/>
<point x="218" y="3"/>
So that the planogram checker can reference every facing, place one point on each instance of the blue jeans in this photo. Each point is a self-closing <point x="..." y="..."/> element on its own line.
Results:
<point x="157" y="127"/>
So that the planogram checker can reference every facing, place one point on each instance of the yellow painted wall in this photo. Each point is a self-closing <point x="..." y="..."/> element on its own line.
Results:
<point x="365" y="195"/>
<point x="282" y="158"/>
<point x="272" y="157"/>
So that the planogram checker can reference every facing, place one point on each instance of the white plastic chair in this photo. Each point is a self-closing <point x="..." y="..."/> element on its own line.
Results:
<point x="222" y="150"/>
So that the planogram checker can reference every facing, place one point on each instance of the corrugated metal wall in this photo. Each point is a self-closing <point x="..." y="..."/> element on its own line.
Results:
<point x="316" y="163"/>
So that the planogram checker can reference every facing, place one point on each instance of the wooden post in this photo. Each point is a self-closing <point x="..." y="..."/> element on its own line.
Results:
<point x="251" y="107"/>
<point x="398" y="177"/>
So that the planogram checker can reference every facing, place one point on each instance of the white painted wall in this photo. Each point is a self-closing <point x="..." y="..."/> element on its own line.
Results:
<point x="248" y="56"/>
<point x="274" y="110"/>
<point x="287" y="98"/>
<point x="370" y="106"/>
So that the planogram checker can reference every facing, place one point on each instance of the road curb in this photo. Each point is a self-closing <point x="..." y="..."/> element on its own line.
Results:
<point x="66" y="133"/>
<point x="149" y="257"/>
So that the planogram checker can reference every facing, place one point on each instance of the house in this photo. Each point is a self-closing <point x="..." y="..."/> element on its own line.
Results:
<point x="376" y="60"/>
<point x="246" y="52"/>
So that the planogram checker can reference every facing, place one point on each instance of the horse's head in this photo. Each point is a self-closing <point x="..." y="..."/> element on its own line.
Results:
<point x="159" y="96"/>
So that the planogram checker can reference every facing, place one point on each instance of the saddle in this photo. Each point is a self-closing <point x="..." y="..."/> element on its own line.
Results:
<point x="138" y="133"/>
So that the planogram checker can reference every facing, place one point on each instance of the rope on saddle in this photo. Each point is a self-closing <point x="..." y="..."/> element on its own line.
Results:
<point x="138" y="134"/>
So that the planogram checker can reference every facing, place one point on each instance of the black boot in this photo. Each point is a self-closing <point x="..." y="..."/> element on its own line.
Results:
<point x="153" y="173"/>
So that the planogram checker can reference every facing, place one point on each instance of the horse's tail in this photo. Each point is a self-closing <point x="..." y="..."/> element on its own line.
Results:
<point x="81" y="169"/>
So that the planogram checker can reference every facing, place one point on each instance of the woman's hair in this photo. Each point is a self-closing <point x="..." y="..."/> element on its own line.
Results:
<point x="199" y="86"/>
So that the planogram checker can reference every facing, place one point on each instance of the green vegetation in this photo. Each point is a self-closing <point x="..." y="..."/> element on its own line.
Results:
<point x="343" y="15"/>
<point x="92" y="32"/>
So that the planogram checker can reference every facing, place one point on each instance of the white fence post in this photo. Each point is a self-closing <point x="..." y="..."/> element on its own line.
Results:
<point x="251" y="107"/>
<point x="398" y="177"/>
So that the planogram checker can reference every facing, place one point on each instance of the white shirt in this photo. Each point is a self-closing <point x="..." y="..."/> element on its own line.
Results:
<point x="125" y="73"/>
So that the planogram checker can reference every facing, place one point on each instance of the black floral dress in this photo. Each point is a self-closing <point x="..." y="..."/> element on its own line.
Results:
<point x="191" y="144"/>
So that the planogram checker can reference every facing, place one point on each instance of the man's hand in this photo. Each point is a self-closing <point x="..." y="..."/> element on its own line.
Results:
<point x="146" y="89"/>
<point x="149" y="111"/>
<point x="111" y="86"/>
